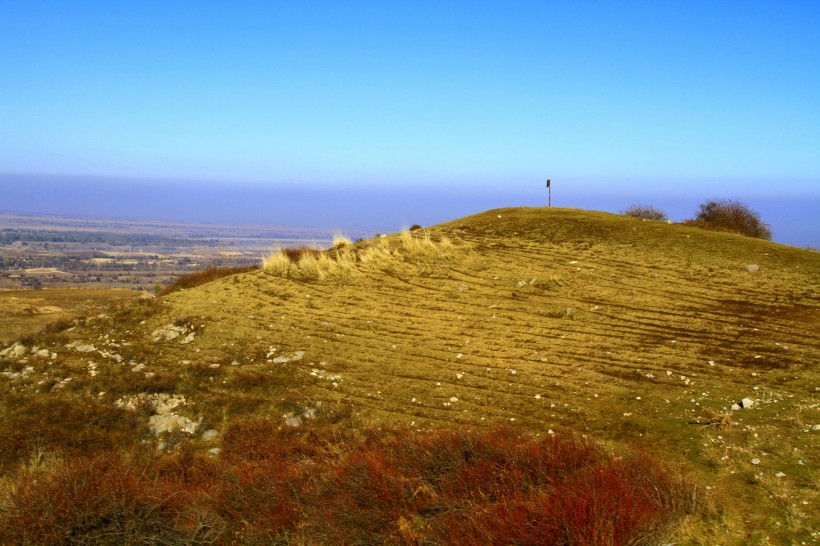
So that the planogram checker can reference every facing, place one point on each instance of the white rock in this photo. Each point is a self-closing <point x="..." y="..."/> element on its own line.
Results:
<point x="751" y="268"/>
<point x="209" y="435"/>
<point x="755" y="461"/>
<point x="815" y="428"/>
<point x="747" y="403"/>
<point x="735" y="407"/>
<point x="780" y="475"/>
<point x="170" y="422"/>
<point x="293" y="421"/>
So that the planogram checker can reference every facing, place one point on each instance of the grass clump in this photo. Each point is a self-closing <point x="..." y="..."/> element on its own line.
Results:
<point x="425" y="247"/>
<point x="340" y="240"/>
<point x="645" y="212"/>
<point x="311" y="264"/>
<point x="732" y="217"/>
<point x="198" y="278"/>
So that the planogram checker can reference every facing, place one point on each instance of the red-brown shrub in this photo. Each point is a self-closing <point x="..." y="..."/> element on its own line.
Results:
<point x="279" y="484"/>
<point x="198" y="278"/>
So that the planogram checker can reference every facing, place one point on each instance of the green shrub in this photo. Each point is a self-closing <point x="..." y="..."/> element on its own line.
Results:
<point x="730" y="216"/>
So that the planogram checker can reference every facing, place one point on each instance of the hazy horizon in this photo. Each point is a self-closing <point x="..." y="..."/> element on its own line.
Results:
<point x="373" y="114"/>
<point x="365" y="210"/>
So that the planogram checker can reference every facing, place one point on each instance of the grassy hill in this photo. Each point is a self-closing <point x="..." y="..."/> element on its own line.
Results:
<point x="631" y="333"/>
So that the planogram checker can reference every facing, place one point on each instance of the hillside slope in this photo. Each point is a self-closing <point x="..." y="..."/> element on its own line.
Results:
<point x="633" y="332"/>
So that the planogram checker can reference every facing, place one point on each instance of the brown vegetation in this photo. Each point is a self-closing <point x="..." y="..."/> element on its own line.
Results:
<point x="324" y="486"/>
<point x="732" y="217"/>
<point x="645" y="212"/>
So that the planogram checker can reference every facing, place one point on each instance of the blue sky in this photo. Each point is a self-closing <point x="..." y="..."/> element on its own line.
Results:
<point x="657" y="99"/>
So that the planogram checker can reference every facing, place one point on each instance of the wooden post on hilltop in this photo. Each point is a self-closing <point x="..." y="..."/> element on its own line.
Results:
<point x="549" y="193"/>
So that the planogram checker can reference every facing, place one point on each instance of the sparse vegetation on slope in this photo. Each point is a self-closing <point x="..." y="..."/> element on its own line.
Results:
<point x="632" y="333"/>
<point x="198" y="278"/>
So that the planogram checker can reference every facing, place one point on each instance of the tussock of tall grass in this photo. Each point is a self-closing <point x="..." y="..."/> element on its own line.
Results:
<point x="376" y="256"/>
<point x="340" y="239"/>
<point x="345" y="259"/>
<point x="323" y="266"/>
<point x="424" y="247"/>
<point x="277" y="263"/>
<point x="310" y="263"/>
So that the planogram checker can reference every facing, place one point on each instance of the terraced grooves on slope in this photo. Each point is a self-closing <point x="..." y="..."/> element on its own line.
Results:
<point x="630" y="331"/>
<point x="621" y="313"/>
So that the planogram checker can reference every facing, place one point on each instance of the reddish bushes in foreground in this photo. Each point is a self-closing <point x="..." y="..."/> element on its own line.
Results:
<point x="271" y="485"/>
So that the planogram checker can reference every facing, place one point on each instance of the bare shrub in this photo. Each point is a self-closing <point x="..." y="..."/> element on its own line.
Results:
<point x="645" y="212"/>
<point x="732" y="217"/>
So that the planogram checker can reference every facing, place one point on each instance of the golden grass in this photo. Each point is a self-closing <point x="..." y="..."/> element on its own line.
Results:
<point x="277" y="263"/>
<point x="340" y="239"/>
<point x="666" y="325"/>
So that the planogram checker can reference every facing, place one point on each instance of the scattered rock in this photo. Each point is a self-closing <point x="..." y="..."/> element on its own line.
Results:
<point x="170" y="422"/>
<point x="295" y="357"/>
<point x="62" y="383"/>
<point x="162" y="405"/>
<point x="85" y="348"/>
<point x="293" y="421"/>
<point x="751" y="268"/>
<point x="18" y="350"/>
<point x="170" y="332"/>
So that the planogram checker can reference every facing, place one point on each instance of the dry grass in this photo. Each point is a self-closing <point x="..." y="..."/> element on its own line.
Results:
<point x="628" y="331"/>
<point x="340" y="239"/>
<point x="278" y="263"/>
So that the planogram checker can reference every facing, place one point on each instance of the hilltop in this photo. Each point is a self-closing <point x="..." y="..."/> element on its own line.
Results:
<point x="699" y="347"/>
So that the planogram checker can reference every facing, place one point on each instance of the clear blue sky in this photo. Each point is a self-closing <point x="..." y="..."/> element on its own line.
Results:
<point x="659" y="97"/>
